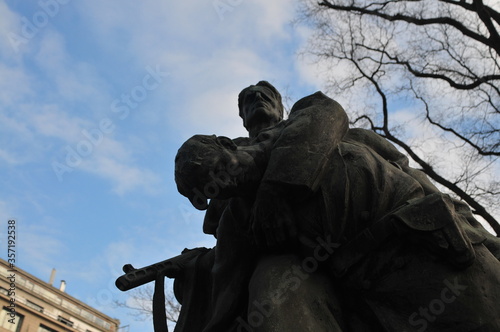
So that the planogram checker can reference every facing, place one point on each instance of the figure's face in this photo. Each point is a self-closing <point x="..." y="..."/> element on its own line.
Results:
<point x="259" y="108"/>
<point x="214" y="167"/>
<point x="224" y="167"/>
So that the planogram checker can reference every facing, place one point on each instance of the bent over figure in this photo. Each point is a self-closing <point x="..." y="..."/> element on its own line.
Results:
<point x="388" y="245"/>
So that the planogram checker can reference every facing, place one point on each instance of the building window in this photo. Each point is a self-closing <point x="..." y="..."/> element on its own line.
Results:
<point x="33" y="305"/>
<point x="43" y="328"/>
<point x="10" y="323"/>
<point x="65" y="321"/>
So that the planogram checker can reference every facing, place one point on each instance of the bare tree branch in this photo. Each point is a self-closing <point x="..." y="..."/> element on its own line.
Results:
<point x="492" y="41"/>
<point x="443" y="60"/>
<point x="140" y="304"/>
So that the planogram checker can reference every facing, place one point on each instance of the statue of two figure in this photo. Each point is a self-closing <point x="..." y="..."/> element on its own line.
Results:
<point x="320" y="227"/>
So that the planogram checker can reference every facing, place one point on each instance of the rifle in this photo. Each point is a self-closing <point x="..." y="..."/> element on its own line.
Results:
<point x="171" y="267"/>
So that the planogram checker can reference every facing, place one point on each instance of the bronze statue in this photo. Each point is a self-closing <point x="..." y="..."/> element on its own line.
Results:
<point x="324" y="228"/>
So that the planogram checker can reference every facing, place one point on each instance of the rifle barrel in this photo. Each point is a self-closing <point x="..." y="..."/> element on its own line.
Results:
<point x="170" y="267"/>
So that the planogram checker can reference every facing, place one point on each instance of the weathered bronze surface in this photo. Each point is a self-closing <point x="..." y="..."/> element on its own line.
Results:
<point x="324" y="228"/>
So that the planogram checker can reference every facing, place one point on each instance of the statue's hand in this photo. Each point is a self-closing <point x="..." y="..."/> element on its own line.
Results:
<point x="273" y="224"/>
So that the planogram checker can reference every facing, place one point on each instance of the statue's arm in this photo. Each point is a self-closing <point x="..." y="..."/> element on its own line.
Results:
<point x="217" y="206"/>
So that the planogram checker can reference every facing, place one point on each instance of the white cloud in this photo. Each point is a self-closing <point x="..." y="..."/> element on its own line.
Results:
<point x="447" y="155"/>
<point x="15" y="86"/>
<point x="68" y="80"/>
<point x="274" y="17"/>
<point x="39" y="245"/>
<point x="51" y="54"/>
<point x="67" y="88"/>
<point x="15" y="135"/>
<point x="6" y="210"/>
<point x="105" y="264"/>
<point x="9" y="158"/>
<point x="12" y="42"/>
<point x="51" y="121"/>
<point x="125" y="178"/>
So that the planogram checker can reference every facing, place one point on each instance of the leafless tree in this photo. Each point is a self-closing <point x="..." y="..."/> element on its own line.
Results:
<point x="140" y="303"/>
<point x="425" y="75"/>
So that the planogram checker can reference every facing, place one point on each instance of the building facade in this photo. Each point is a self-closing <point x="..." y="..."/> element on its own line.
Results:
<point x="29" y="304"/>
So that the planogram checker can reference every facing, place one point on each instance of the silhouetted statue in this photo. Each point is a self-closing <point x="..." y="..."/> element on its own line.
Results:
<point x="324" y="228"/>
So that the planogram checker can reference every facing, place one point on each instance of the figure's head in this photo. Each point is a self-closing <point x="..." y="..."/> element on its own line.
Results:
<point x="213" y="167"/>
<point x="260" y="107"/>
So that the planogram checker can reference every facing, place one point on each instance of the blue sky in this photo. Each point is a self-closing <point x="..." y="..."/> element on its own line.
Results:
<point x="95" y="99"/>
